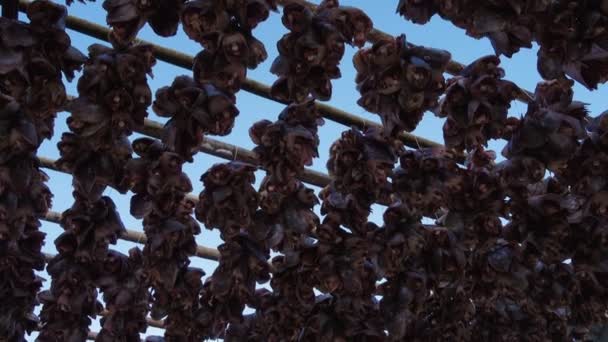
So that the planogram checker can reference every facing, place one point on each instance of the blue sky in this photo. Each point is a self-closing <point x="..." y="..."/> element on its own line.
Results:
<point x="439" y="34"/>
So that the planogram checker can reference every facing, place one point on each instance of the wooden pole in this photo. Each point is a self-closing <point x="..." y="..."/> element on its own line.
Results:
<point x="140" y="238"/>
<point x="232" y="152"/>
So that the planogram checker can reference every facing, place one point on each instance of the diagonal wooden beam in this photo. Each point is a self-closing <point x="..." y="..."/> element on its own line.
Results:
<point x="51" y="164"/>
<point x="228" y="151"/>
<point x="232" y="152"/>
<point x="140" y="238"/>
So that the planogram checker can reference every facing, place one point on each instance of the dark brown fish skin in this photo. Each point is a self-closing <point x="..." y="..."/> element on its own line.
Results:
<point x="229" y="203"/>
<point x="285" y="222"/>
<point x="571" y="34"/>
<point x="400" y="82"/>
<point x="513" y="255"/>
<point x="127" y="17"/>
<point x="35" y="56"/>
<point x="476" y="105"/>
<point x="160" y="187"/>
<point x="194" y="111"/>
<point x="224" y="28"/>
<point x="310" y="53"/>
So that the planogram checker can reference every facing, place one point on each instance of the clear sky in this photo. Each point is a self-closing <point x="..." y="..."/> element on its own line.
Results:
<point x="438" y="34"/>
